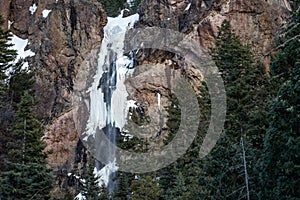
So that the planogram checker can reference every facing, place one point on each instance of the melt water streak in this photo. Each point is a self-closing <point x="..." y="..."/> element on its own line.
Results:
<point x="108" y="96"/>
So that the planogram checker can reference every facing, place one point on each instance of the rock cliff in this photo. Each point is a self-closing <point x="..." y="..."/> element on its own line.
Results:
<point x="67" y="40"/>
<point x="62" y="34"/>
<point x="256" y="22"/>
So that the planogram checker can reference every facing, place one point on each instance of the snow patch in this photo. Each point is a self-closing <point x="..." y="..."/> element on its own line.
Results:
<point x="130" y="3"/>
<point x="188" y="7"/>
<point x="33" y="8"/>
<point x="225" y="7"/>
<point x="131" y="104"/>
<point x="9" y="24"/>
<point x="105" y="172"/>
<point x="19" y="45"/>
<point x="79" y="197"/>
<point x="158" y="101"/>
<point x="45" y="13"/>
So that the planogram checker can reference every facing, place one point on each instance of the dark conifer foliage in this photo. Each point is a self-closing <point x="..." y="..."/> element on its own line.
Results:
<point x="7" y="56"/>
<point x="113" y="7"/>
<point x="26" y="171"/>
<point x="229" y="170"/>
<point x="90" y="186"/>
<point x="280" y="163"/>
<point x="24" y="174"/>
<point x="25" y="181"/>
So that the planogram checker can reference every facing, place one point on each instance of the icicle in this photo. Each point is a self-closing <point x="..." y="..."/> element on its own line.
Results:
<point x="108" y="96"/>
<point x="158" y="101"/>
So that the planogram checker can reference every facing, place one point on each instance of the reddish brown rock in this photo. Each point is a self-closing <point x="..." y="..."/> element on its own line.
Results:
<point x="61" y="140"/>
<point x="256" y="22"/>
<point x="62" y="41"/>
<point x="4" y="11"/>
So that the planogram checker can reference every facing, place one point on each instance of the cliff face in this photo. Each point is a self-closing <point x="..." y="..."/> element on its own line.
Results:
<point x="66" y="43"/>
<point x="61" y="41"/>
<point x="256" y="22"/>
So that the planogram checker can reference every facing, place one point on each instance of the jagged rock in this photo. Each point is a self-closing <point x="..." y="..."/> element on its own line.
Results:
<point x="72" y="31"/>
<point x="61" y="41"/>
<point x="67" y="41"/>
<point x="61" y="141"/>
<point x="256" y="22"/>
<point x="5" y="10"/>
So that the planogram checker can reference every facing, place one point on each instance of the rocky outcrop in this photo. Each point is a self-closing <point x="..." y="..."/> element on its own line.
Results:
<point x="62" y="34"/>
<point x="66" y="43"/>
<point x="256" y="22"/>
<point x="61" y="41"/>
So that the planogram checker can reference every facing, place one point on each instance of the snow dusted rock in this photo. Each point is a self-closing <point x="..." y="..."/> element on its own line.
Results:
<point x="256" y="22"/>
<point x="66" y="44"/>
<point x="70" y="33"/>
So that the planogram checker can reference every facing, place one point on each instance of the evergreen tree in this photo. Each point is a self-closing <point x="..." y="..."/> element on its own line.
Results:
<point x="226" y="172"/>
<point x="113" y="7"/>
<point x="123" y="190"/>
<point x="180" y="191"/>
<point x="173" y="122"/>
<point x="21" y="80"/>
<point x="27" y="146"/>
<point x="7" y="55"/>
<point x="134" y="5"/>
<point x="90" y="188"/>
<point x="145" y="187"/>
<point x="26" y="175"/>
<point x="280" y="163"/>
<point x="25" y="181"/>
<point x="180" y="179"/>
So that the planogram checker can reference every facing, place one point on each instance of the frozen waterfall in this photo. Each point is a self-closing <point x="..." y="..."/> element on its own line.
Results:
<point x="108" y="105"/>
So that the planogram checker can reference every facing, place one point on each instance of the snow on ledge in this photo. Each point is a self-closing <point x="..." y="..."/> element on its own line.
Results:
<point x="33" y="8"/>
<point x="188" y="6"/>
<point x="79" y="197"/>
<point x="19" y="44"/>
<point x="9" y="24"/>
<point x="45" y="13"/>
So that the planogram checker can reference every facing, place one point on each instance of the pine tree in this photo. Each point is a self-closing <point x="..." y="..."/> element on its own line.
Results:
<point x="280" y="163"/>
<point x="7" y="55"/>
<point x="25" y="181"/>
<point x="26" y="175"/>
<point x="113" y="7"/>
<point x="145" y="187"/>
<point x="21" y="80"/>
<point x="185" y="171"/>
<point x="89" y="186"/>
<point x="123" y="190"/>
<point x="27" y="146"/>
<point x="226" y="172"/>
<point x="134" y="5"/>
